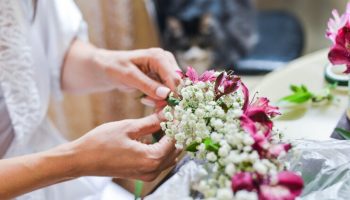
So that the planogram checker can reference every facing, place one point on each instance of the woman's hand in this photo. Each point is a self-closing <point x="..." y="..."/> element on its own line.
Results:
<point x="153" y="71"/>
<point x="112" y="150"/>
<point x="90" y="69"/>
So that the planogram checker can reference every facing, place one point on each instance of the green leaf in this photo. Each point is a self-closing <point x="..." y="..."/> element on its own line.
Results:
<point x="294" y="88"/>
<point x="138" y="189"/>
<point x="173" y="101"/>
<point x="210" y="145"/>
<point x="300" y="97"/>
<point x="192" y="147"/>
<point x="304" y="89"/>
<point x="344" y="133"/>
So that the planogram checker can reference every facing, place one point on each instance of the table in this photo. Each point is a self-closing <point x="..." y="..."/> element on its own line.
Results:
<point x="306" y="122"/>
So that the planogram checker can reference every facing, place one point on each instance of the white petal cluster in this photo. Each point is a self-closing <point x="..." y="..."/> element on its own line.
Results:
<point x="213" y="128"/>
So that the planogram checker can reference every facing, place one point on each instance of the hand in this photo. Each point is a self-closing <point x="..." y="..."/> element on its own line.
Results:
<point x="112" y="150"/>
<point x="153" y="71"/>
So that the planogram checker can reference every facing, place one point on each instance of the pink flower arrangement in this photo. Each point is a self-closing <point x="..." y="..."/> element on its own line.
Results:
<point x="216" y="121"/>
<point x="339" y="33"/>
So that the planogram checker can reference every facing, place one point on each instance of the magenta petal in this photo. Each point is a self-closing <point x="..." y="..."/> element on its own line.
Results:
<point x="338" y="56"/>
<point x="218" y="82"/>
<point x="245" y="92"/>
<point x="242" y="181"/>
<point x="208" y="76"/>
<point x="248" y="125"/>
<point x="292" y="181"/>
<point x="263" y="103"/>
<point x="257" y="114"/>
<point x="277" y="149"/>
<point x="192" y="74"/>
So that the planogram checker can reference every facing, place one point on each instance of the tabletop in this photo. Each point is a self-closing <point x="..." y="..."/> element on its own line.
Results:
<point x="308" y="121"/>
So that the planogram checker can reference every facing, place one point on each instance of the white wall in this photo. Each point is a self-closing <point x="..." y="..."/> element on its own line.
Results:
<point x="314" y="15"/>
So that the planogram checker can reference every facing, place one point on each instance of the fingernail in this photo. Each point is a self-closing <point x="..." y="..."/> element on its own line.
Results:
<point x="162" y="92"/>
<point x="148" y="102"/>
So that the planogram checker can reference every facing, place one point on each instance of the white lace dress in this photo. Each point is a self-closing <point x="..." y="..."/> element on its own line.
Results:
<point x="31" y="54"/>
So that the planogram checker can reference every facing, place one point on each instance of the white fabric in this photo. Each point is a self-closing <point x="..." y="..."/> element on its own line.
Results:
<point x="31" y="55"/>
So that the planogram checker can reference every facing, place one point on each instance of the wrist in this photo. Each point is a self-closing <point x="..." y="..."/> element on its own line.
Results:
<point x="102" y="64"/>
<point x="66" y="160"/>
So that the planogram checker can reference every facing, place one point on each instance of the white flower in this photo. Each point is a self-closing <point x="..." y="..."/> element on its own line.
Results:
<point x="260" y="167"/>
<point x="245" y="195"/>
<point x="168" y="116"/>
<point x="199" y="96"/>
<point x="211" y="157"/>
<point x="216" y="137"/>
<point x="163" y="125"/>
<point x="224" y="150"/>
<point x="248" y="140"/>
<point x="230" y="169"/>
<point x="224" y="194"/>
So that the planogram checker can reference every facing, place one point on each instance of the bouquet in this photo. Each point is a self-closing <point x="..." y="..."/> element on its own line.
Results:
<point x="213" y="118"/>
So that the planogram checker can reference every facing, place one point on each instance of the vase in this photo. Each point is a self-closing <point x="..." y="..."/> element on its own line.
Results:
<point x="334" y="74"/>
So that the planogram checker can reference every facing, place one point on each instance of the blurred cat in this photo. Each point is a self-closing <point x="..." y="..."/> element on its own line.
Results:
<point x="207" y="33"/>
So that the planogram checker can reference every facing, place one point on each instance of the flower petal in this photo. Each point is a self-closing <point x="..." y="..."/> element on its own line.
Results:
<point x="208" y="76"/>
<point x="192" y="74"/>
<point x="292" y="181"/>
<point x="242" y="181"/>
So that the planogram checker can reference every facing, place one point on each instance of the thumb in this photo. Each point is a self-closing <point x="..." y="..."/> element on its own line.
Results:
<point x="145" y="126"/>
<point x="147" y="85"/>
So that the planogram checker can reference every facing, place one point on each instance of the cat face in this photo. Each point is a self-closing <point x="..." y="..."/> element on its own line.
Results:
<point x="191" y="41"/>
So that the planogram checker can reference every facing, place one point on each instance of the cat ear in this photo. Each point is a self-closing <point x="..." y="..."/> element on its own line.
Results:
<point x="206" y="23"/>
<point x="174" y="26"/>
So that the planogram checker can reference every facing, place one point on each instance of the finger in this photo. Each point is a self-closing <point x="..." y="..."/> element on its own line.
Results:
<point x="162" y="62"/>
<point x="167" y="71"/>
<point x="149" y="101"/>
<point x="147" y="85"/>
<point x="171" y="160"/>
<point x="145" y="126"/>
<point x="163" y="148"/>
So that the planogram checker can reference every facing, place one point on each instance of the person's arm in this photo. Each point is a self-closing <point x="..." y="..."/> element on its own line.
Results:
<point x="108" y="150"/>
<point x="90" y="69"/>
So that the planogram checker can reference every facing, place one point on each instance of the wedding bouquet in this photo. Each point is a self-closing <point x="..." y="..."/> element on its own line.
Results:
<point x="213" y="118"/>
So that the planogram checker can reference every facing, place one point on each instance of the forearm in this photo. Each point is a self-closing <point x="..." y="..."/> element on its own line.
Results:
<point x="27" y="173"/>
<point x="81" y="73"/>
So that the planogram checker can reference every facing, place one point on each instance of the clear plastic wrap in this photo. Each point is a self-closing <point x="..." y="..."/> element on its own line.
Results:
<point x="324" y="165"/>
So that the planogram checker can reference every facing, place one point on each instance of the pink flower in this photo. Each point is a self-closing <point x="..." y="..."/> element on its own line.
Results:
<point x="339" y="33"/>
<point x="288" y="187"/>
<point x="258" y="112"/>
<point x="225" y="84"/>
<point x="194" y="77"/>
<point x="208" y="76"/>
<point x="192" y="74"/>
<point x="337" y="22"/>
<point x="340" y="52"/>
<point x="263" y="103"/>
<point x="277" y="192"/>
<point x="242" y="181"/>
<point x="292" y="181"/>
<point x="277" y="149"/>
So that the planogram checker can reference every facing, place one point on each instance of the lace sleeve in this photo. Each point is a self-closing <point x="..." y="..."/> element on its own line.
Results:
<point x="67" y="24"/>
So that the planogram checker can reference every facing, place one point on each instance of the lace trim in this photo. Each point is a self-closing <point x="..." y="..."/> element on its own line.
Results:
<point x="16" y="71"/>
